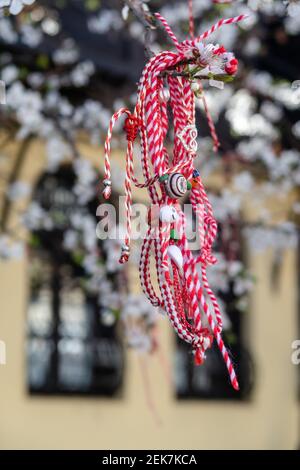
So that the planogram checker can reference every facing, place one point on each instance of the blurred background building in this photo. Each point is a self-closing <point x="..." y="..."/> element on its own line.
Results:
<point x="70" y="380"/>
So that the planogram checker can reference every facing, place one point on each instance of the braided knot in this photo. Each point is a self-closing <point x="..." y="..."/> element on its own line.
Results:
<point x="206" y="257"/>
<point x="131" y="127"/>
<point x="201" y="343"/>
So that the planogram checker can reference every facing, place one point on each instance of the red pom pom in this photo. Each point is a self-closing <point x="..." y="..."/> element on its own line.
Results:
<point x="231" y="67"/>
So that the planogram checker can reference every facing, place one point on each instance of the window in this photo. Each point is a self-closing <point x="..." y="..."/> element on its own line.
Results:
<point x="73" y="346"/>
<point x="210" y="380"/>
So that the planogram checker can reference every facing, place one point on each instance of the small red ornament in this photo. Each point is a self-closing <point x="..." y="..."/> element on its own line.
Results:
<point x="220" y="50"/>
<point x="232" y="66"/>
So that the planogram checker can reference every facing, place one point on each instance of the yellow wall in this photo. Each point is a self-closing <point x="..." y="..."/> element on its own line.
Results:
<point x="268" y="421"/>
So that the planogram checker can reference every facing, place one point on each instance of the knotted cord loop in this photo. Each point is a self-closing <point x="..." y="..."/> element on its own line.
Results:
<point x="107" y="150"/>
<point x="206" y="257"/>
<point x="131" y="126"/>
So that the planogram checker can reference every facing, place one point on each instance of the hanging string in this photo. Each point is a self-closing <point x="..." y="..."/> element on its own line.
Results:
<point x="168" y="29"/>
<point x="191" y="20"/>
<point x="211" y="124"/>
<point x="224" y="21"/>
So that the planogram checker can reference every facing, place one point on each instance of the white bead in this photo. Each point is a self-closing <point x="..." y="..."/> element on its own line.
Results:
<point x="176" y="256"/>
<point x="195" y="87"/>
<point x="168" y="214"/>
<point x="164" y="95"/>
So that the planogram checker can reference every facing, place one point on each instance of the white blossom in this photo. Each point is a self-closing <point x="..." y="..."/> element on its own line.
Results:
<point x="10" y="249"/>
<point x="81" y="74"/>
<point x="113" y="250"/>
<point x="31" y="36"/>
<point x="242" y="286"/>
<point x="70" y="239"/>
<point x="4" y="246"/>
<point x="18" y="190"/>
<point x="244" y="120"/>
<point x="15" y="6"/>
<point x="35" y="217"/>
<point x="9" y="74"/>
<point x="229" y="203"/>
<point x="280" y="237"/>
<point x="296" y="207"/>
<point x="292" y="23"/>
<point x="57" y="151"/>
<point x="36" y="79"/>
<point x="243" y="182"/>
<point x="234" y="268"/>
<point x="67" y="54"/>
<point x="296" y="129"/>
<point x="105" y="21"/>
<point x="7" y="33"/>
<point x="271" y="111"/>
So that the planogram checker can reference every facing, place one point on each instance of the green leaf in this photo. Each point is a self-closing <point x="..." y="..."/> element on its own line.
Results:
<point x="23" y="72"/>
<point x="116" y="313"/>
<point x="34" y="241"/>
<point x="230" y="337"/>
<point x="42" y="61"/>
<point x="92" y="5"/>
<point x="78" y="257"/>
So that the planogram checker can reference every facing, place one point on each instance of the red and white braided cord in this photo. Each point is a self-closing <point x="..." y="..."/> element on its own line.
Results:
<point x="184" y="294"/>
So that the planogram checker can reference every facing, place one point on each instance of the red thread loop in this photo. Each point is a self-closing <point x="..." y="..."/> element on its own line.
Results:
<point x="125" y="248"/>
<point x="124" y="258"/>
<point x="131" y="127"/>
<point x="210" y="121"/>
<point x="206" y="257"/>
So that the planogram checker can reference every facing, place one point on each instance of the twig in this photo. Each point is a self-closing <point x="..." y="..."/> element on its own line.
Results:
<point x="187" y="75"/>
<point x="70" y="141"/>
<point x="141" y="13"/>
<point x="16" y="170"/>
<point x="146" y="19"/>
